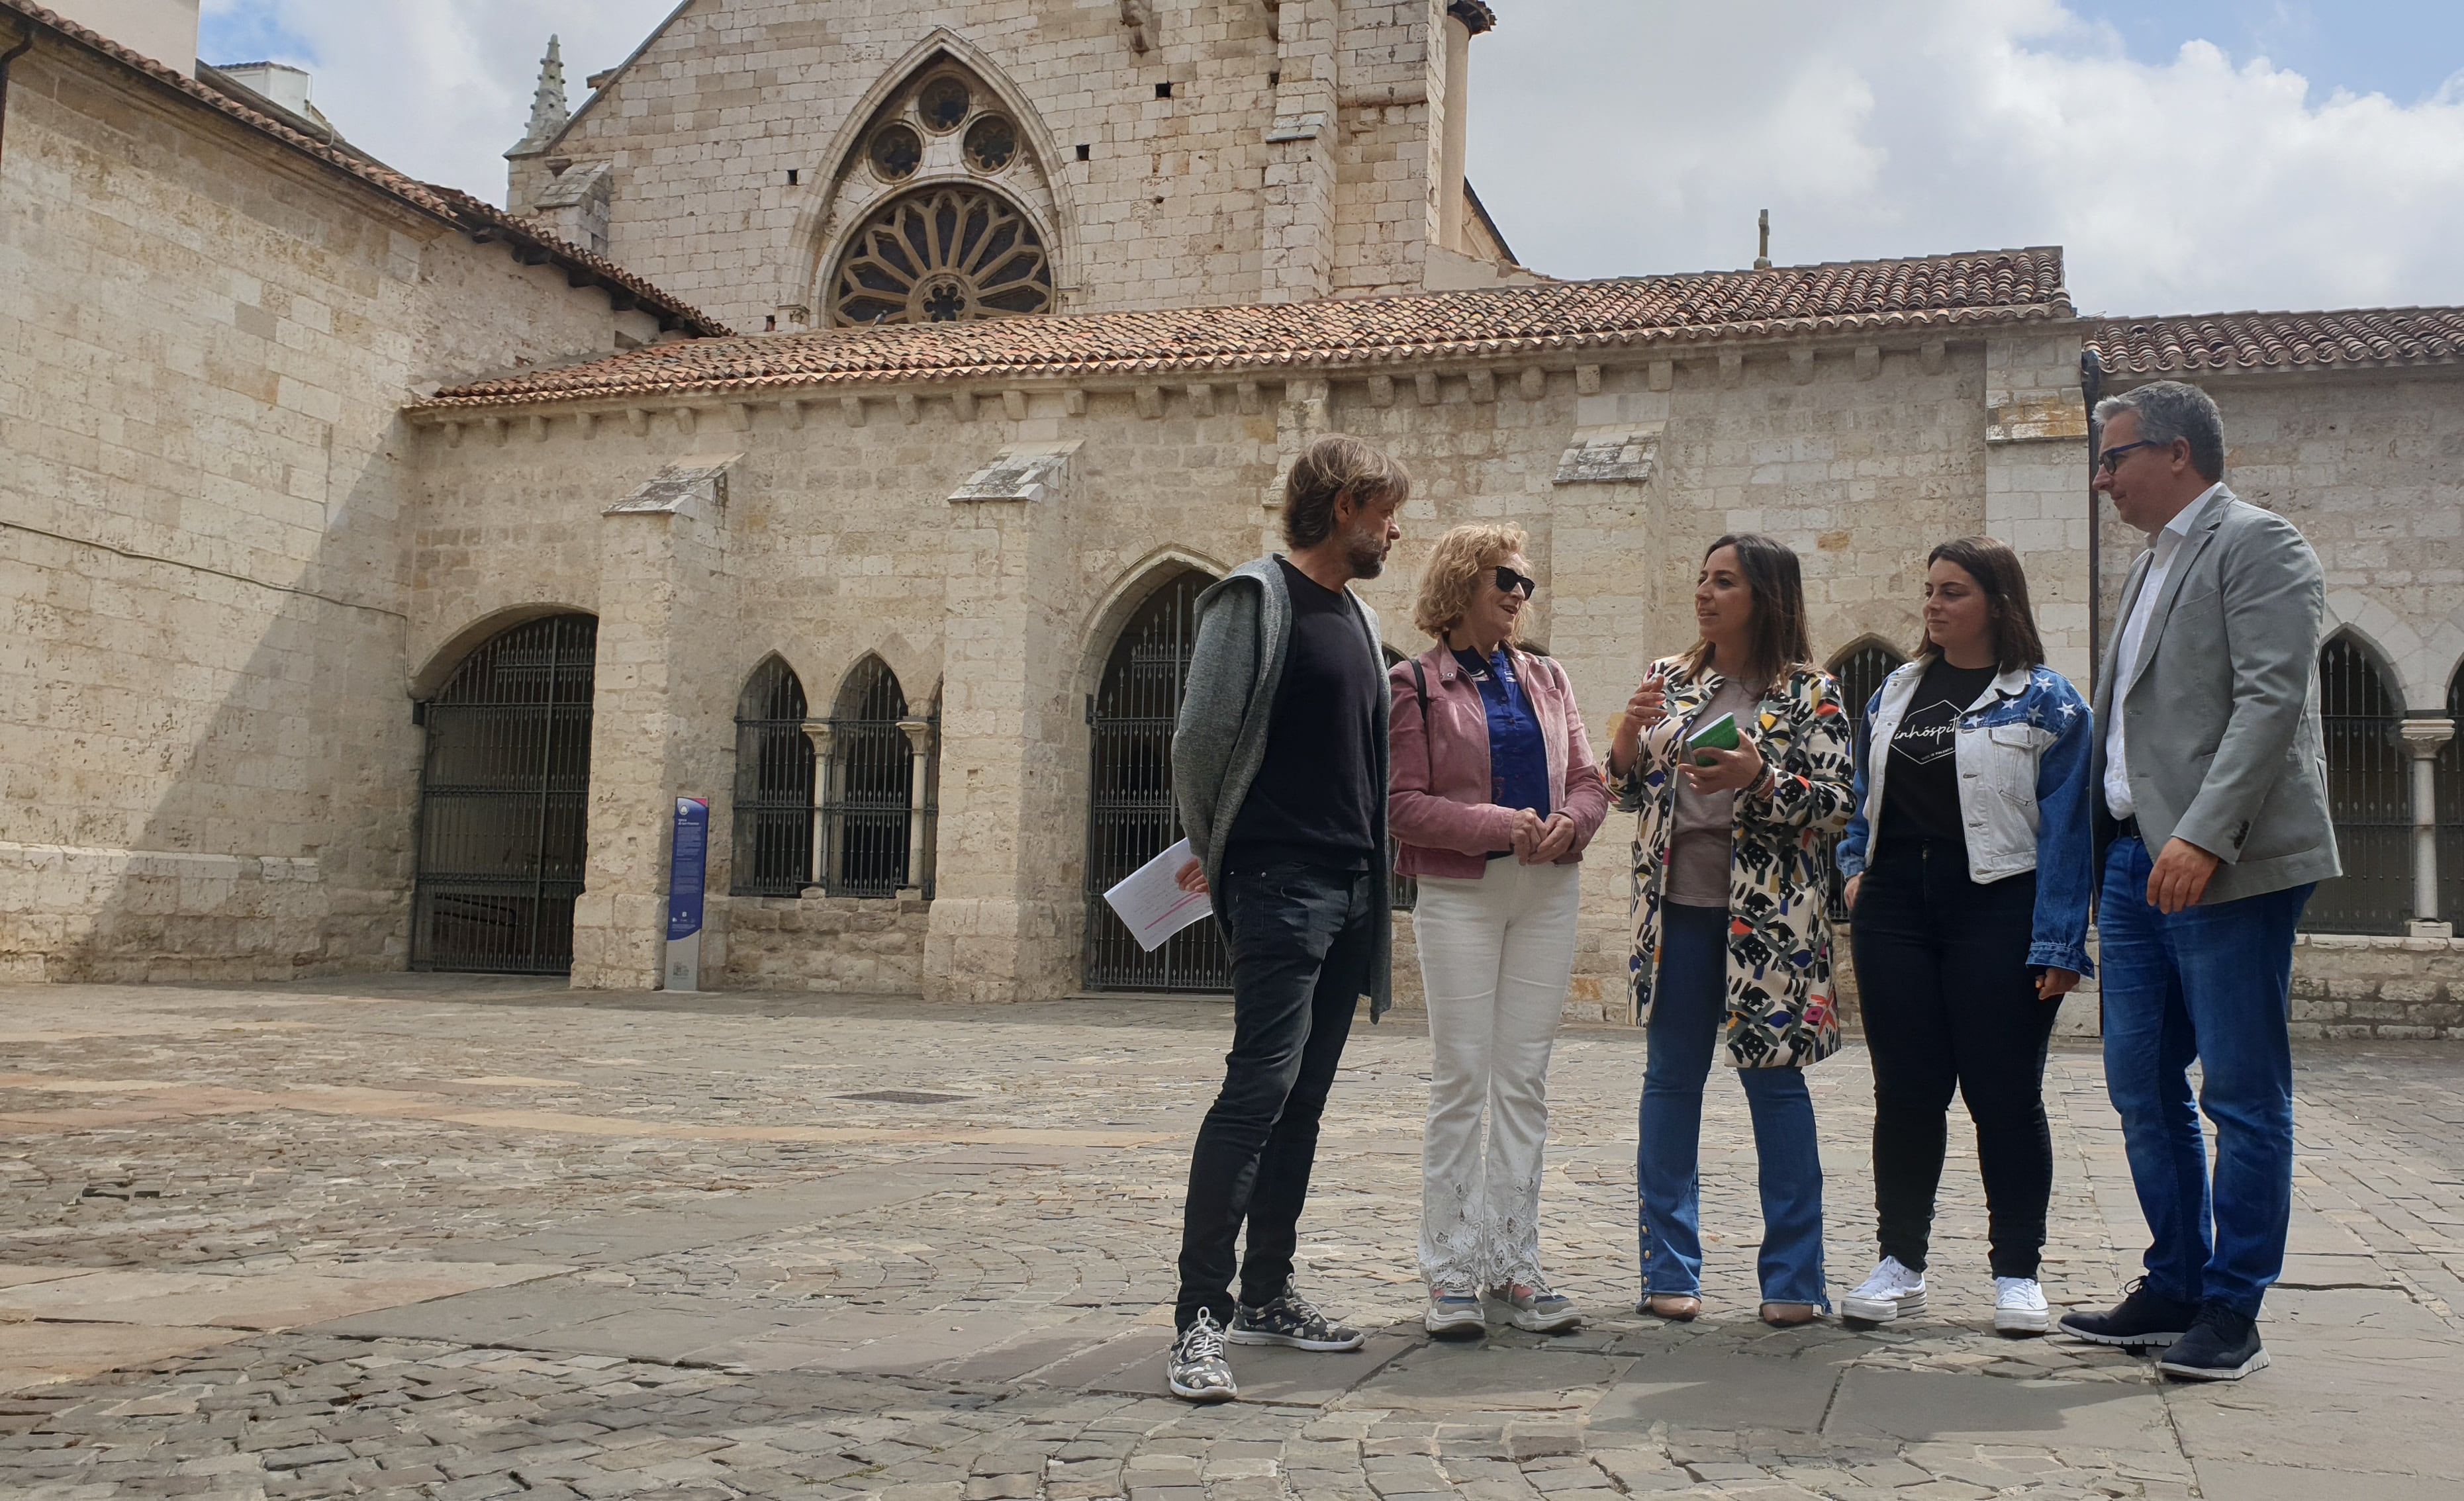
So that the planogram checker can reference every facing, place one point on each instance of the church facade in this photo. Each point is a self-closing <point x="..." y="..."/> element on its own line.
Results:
<point x="954" y="348"/>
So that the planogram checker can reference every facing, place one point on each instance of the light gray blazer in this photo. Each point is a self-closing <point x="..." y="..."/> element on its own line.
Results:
<point x="1244" y="628"/>
<point x="2221" y="709"/>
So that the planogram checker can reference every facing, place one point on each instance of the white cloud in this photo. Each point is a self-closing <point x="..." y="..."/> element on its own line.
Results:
<point x="1633" y="137"/>
<point x="1624" y="136"/>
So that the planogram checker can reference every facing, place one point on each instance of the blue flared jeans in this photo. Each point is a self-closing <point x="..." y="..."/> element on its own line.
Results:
<point x="1689" y="1004"/>
<point x="2210" y="982"/>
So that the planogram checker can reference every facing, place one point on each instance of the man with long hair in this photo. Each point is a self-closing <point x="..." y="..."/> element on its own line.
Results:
<point x="1279" y="768"/>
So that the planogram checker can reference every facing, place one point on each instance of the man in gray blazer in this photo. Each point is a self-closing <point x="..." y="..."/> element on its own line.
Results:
<point x="2214" y="829"/>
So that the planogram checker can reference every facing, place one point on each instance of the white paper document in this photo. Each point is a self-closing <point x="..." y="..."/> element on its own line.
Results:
<point x="1150" y="901"/>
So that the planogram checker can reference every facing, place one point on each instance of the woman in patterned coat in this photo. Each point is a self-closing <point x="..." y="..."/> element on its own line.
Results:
<point x="1732" y="875"/>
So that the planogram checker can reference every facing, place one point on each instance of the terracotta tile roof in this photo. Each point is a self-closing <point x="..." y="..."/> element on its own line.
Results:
<point x="2355" y="338"/>
<point x="1943" y="292"/>
<point x="531" y="241"/>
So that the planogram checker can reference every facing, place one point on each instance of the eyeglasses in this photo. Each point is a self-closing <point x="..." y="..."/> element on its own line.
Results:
<point x="2110" y="459"/>
<point x="1508" y="582"/>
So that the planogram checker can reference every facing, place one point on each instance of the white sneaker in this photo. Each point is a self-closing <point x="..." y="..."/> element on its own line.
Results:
<point x="2019" y="1306"/>
<point x="1889" y="1293"/>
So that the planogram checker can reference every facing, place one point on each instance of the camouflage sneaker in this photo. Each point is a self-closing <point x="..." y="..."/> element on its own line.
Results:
<point x="1195" y="1366"/>
<point x="1289" y="1320"/>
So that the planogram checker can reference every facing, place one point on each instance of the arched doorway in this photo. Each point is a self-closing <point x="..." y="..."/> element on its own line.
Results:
<point x="1131" y="817"/>
<point x="1860" y="673"/>
<point x="503" y="794"/>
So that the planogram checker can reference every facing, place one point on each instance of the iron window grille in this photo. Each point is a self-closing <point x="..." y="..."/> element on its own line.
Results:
<point x="504" y="790"/>
<point x="775" y="767"/>
<point x="832" y="805"/>
<point x="2450" y="780"/>
<point x="2369" y="794"/>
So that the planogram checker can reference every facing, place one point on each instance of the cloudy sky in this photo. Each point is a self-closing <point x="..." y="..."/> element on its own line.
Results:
<point x="2191" y="155"/>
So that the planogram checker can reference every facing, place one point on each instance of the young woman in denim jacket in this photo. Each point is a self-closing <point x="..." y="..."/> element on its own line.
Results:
<point x="1968" y="869"/>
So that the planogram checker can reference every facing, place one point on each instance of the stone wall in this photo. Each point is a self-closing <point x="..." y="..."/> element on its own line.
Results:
<point x="206" y="339"/>
<point x="1306" y="157"/>
<point x="830" y="944"/>
<point x="838" y="538"/>
<point x="2349" y="986"/>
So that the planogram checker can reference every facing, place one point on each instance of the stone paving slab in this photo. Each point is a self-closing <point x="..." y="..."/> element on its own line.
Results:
<point x="737" y="1280"/>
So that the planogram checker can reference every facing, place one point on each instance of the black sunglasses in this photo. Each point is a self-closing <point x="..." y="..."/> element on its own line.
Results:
<point x="1508" y="580"/>
<point x="2110" y="459"/>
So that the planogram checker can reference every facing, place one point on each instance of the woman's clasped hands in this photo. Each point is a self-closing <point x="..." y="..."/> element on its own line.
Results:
<point x="1542" y="842"/>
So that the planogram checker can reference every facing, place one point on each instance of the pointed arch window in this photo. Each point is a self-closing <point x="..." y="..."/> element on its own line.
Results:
<point x="2448" y="780"/>
<point x="774" y="764"/>
<point x="958" y="237"/>
<point x="2369" y="794"/>
<point x="877" y="814"/>
<point x="1860" y="671"/>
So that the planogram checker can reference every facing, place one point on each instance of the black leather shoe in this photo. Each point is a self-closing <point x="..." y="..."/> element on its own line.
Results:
<point x="2222" y="1346"/>
<point x="2141" y="1320"/>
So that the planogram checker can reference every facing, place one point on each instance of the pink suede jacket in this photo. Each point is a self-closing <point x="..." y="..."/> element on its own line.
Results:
<point x="1437" y="795"/>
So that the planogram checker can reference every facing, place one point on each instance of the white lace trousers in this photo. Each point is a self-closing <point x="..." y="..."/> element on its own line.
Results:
<point x="1495" y="956"/>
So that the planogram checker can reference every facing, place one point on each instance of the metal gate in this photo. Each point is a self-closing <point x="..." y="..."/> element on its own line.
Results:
<point x="502" y="802"/>
<point x="1130" y="819"/>
<point x="1859" y="675"/>
<point x="2369" y="794"/>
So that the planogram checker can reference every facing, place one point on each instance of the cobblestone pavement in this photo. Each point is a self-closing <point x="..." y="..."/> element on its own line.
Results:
<point x="464" y="1240"/>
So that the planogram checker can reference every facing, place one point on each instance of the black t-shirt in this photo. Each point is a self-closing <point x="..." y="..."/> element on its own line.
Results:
<point x="1318" y="792"/>
<point x="1920" y="790"/>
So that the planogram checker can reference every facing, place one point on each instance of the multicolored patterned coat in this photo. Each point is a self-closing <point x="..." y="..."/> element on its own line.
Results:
<point x="1781" y="1010"/>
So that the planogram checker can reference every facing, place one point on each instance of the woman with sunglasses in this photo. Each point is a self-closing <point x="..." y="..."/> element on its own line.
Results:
<point x="1493" y="796"/>
<point x="1731" y="871"/>
<point x="1968" y="869"/>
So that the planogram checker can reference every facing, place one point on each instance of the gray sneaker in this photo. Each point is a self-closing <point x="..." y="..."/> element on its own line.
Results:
<point x="1195" y="1366"/>
<point x="1534" y="1308"/>
<point x="1454" y="1313"/>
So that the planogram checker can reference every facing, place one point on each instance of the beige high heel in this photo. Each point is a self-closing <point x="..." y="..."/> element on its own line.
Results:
<point x="1788" y="1315"/>
<point x="1676" y="1308"/>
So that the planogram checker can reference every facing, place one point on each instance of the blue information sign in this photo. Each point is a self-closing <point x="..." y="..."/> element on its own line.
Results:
<point x="688" y="863"/>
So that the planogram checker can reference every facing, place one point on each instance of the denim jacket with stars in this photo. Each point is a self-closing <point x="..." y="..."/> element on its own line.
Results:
<point x="2023" y="751"/>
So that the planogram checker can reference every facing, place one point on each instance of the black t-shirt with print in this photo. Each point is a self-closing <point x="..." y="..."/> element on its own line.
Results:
<point x="1920" y="790"/>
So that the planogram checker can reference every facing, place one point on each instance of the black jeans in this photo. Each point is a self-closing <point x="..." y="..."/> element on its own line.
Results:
<point x="1950" y="1001"/>
<point x="1300" y="938"/>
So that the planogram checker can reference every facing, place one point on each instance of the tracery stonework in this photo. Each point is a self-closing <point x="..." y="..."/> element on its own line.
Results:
<point x="939" y="255"/>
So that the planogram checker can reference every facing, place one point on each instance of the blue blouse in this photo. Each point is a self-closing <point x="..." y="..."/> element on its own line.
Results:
<point x="1518" y="754"/>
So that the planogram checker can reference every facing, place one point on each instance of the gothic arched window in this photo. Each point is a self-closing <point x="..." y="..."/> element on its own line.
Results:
<point x="2369" y="794"/>
<point x="947" y="204"/>
<point x="939" y="255"/>
<point x="875" y="828"/>
<point x="772" y="855"/>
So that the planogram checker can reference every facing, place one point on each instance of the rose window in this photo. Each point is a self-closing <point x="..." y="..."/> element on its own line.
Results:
<point x="942" y="103"/>
<point x="992" y="143"/>
<point x="896" y="150"/>
<point x="942" y="254"/>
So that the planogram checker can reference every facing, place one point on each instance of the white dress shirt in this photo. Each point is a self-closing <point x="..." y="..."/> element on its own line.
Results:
<point x="2167" y="544"/>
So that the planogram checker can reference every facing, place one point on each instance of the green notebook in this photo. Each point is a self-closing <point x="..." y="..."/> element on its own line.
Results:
<point x="1720" y="734"/>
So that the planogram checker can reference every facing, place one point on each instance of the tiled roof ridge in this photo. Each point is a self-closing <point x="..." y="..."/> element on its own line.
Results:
<point x="1837" y="297"/>
<point x="465" y="212"/>
<point x="2332" y="339"/>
